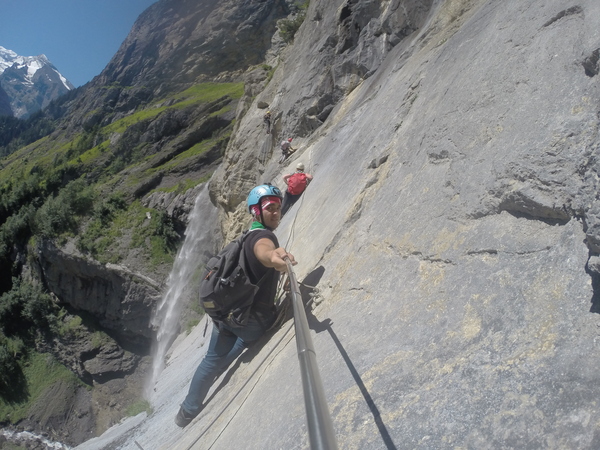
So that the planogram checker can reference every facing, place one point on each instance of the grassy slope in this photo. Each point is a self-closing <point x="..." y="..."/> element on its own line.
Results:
<point x="103" y="233"/>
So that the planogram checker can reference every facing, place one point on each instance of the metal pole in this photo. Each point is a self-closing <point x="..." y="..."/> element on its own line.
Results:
<point x="320" y="425"/>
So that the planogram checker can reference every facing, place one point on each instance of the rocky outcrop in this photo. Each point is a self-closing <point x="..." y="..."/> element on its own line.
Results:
<point x="120" y="301"/>
<point x="177" y="205"/>
<point x="182" y="41"/>
<point x="150" y="147"/>
<point x="325" y="65"/>
<point x="174" y="45"/>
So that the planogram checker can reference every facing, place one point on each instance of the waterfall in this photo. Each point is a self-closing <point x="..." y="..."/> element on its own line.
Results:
<point x="202" y="239"/>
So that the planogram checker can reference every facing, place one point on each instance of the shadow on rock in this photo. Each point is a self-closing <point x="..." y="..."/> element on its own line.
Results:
<point x="309" y="291"/>
<point x="14" y="389"/>
<point x="593" y="270"/>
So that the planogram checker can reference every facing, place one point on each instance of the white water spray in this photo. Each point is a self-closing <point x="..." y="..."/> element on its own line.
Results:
<point x="201" y="241"/>
<point x="27" y="438"/>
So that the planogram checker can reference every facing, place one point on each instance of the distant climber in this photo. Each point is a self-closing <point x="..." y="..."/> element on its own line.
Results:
<point x="267" y="121"/>
<point x="286" y="149"/>
<point x="296" y="184"/>
<point x="264" y="260"/>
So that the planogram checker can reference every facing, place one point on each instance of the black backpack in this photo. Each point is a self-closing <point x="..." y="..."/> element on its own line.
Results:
<point x="226" y="293"/>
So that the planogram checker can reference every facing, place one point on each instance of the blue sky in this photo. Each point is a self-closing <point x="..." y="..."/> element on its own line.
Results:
<point x="78" y="36"/>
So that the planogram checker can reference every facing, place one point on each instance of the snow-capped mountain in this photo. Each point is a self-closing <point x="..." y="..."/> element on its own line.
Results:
<point x="29" y="82"/>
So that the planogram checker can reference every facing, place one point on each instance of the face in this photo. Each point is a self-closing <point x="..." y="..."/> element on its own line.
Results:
<point x="272" y="215"/>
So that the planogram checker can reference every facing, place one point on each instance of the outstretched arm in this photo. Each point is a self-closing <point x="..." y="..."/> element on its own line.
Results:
<point x="270" y="256"/>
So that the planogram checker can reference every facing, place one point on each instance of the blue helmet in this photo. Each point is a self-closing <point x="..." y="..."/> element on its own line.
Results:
<point x="264" y="190"/>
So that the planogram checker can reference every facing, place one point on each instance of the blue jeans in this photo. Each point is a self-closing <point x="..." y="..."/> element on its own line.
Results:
<point x="226" y="344"/>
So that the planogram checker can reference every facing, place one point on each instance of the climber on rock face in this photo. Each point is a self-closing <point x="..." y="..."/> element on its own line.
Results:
<point x="234" y="331"/>
<point x="267" y="121"/>
<point x="296" y="184"/>
<point x="286" y="149"/>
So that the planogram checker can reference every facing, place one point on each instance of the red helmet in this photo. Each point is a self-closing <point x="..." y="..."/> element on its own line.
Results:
<point x="289" y="139"/>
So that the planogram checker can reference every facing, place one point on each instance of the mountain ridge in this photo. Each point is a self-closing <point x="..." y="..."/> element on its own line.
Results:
<point x="30" y="82"/>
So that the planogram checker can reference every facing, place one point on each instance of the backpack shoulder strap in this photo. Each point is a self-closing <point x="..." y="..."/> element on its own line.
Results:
<point x="242" y="260"/>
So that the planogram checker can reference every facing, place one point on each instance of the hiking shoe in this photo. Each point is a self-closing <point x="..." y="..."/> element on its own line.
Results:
<point x="183" y="418"/>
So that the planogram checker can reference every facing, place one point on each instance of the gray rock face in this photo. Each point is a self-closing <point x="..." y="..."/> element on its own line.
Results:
<point x="182" y="40"/>
<point x="111" y="361"/>
<point x="326" y="64"/>
<point x="177" y="205"/>
<point x="452" y="229"/>
<point x="174" y="45"/>
<point x="121" y="301"/>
